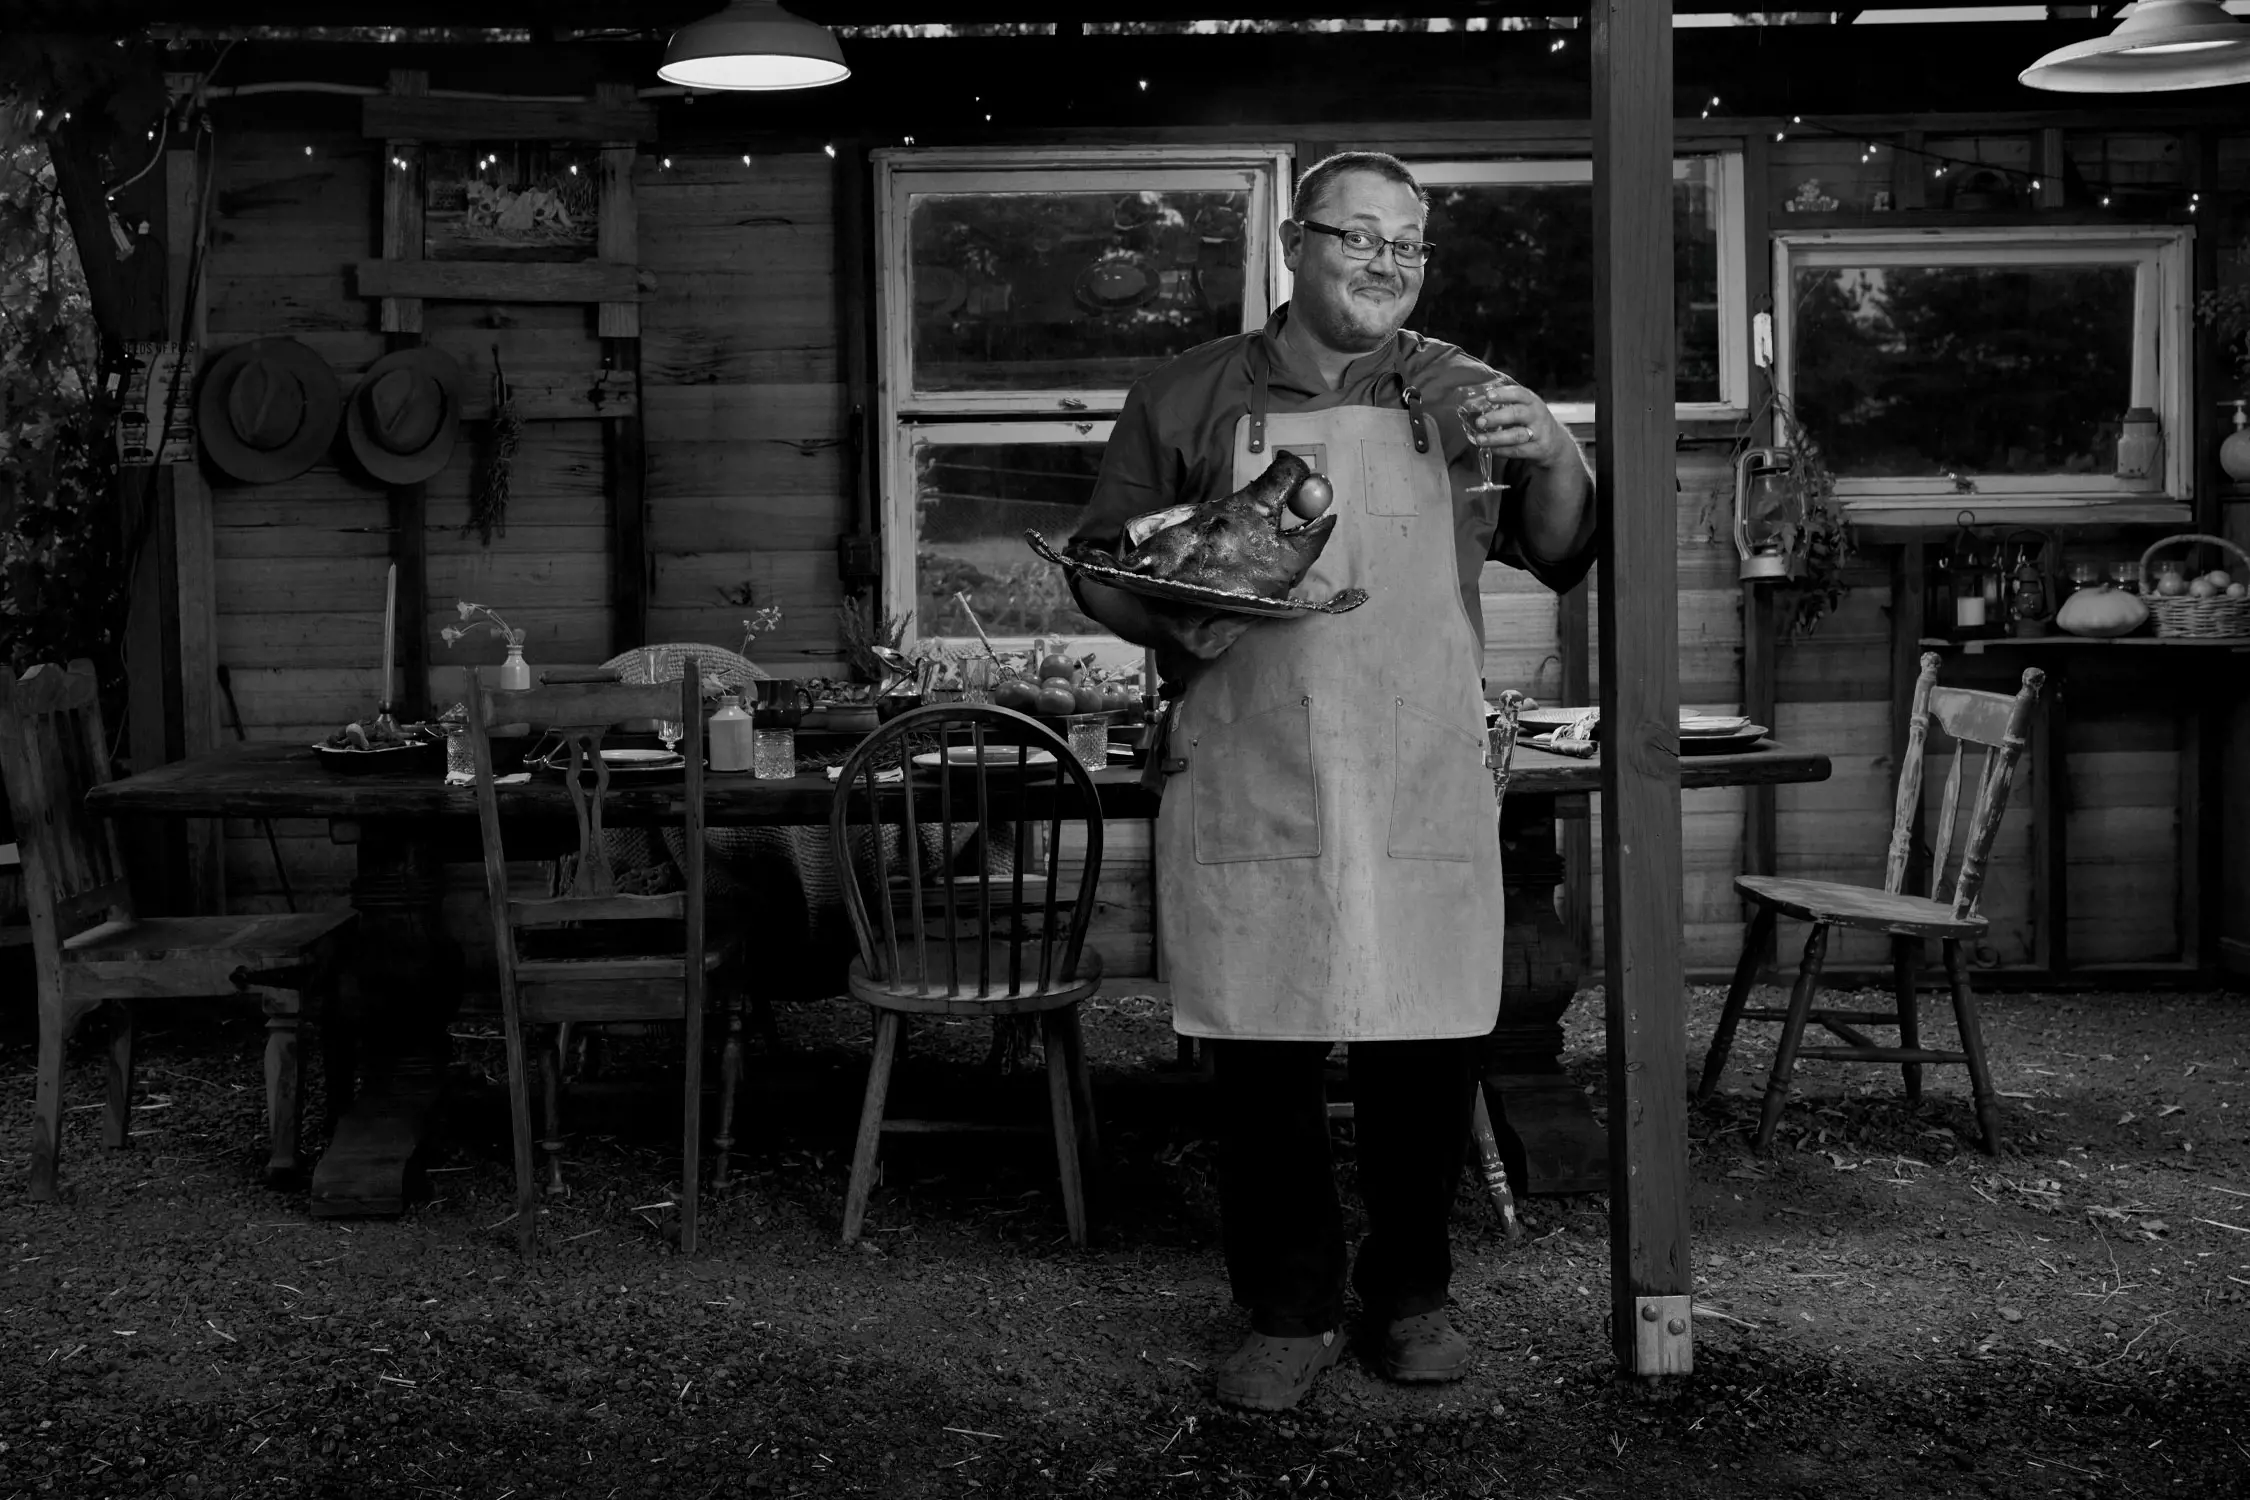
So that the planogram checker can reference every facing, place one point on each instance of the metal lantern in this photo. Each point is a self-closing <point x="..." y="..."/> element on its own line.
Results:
<point x="1767" y="511"/>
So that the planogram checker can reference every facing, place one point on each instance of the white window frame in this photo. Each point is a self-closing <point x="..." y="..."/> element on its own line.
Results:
<point x="2163" y="346"/>
<point x="1033" y="415"/>
<point x="901" y="173"/>
<point x="1734" y="262"/>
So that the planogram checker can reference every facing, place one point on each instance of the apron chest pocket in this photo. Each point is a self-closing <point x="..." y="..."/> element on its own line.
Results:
<point x="1441" y="795"/>
<point x="1255" y="793"/>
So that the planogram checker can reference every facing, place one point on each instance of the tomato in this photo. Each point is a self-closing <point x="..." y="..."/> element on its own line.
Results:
<point x="1312" y="498"/>
<point x="1088" y="697"/>
<point x="1018" y="693"/>
<point x="1058" y="665"/>
<point x="1057" y="701"/>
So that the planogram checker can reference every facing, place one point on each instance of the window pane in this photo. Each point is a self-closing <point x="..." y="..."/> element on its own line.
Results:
<point x="1513" y="281"/>
<point x="1070" y="291"/>
<point x="1921" y="371"/>
<point x="973" y="502"/>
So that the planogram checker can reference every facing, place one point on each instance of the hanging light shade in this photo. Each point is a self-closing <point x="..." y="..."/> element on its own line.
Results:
<point x="753" y="44"/>
<point x="2161" y="44"/>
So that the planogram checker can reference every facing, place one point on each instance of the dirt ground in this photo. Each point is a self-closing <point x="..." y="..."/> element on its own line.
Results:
<point x="1884" y="1310"/>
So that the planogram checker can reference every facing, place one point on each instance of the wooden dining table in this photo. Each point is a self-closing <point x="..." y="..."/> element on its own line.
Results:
<point x="405" y="828"/>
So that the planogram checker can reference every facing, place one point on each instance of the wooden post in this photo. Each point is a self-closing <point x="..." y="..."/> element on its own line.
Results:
<point x="1909" y="613"/>
<point x="1760" y="836"/>
<point x="1576" y="830"/>
<point x="624" y="450"/>
<point x="1651" y="1280"/>
<point x="402" y="326"/>
<point x="195" y="596"/>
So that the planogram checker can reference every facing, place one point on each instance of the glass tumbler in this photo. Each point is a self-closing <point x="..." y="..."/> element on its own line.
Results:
<point x="460" y="755"/>
<point x="773" y="754"/>
<point x="1089" y="739"/>
<point x="977" y="674"/>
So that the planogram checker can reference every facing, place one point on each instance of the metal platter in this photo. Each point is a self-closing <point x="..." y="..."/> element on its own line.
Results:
<point x="1232" y="601"/>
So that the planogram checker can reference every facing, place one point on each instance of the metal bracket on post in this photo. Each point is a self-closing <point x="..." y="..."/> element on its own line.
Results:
<point x="1663" y="1336"/>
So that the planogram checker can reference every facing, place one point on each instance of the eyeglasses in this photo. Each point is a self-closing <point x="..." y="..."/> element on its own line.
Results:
<point x="1360" y="245"/>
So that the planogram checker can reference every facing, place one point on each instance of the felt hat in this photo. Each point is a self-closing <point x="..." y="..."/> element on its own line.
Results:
<point x="404" y="413"/>
<point x="267" y="409"/>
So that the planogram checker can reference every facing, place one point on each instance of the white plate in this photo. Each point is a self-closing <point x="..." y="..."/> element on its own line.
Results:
<point x="558" y="759"/>
<point x="968" y="755"/>
<point x="1718" y="724"/>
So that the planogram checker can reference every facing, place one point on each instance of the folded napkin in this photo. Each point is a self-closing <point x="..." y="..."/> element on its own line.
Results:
<point x="893" y="774"/>
<point x="469" y="778"/>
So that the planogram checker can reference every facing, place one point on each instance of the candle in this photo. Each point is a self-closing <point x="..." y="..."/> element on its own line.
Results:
<point x="390" y="637"/>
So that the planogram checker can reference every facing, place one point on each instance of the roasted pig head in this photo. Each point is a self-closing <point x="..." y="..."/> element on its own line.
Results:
<point x="1243" y="543"/>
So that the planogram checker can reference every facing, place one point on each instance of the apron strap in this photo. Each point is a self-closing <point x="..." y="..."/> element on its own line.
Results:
<point x="1260" y="401"/>
<point x="1414" y="419"/>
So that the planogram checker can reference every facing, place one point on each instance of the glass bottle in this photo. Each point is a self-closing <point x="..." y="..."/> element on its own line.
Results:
<point x="515" y="672"/>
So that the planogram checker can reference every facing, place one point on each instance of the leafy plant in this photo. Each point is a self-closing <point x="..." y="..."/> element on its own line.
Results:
<point x="863" y="629"/>
<point x="1818" y="544"/>
<point x="2226" y="310"/>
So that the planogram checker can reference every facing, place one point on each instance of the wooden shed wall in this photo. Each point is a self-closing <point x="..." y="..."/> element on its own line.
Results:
<point x="748" y="480"/>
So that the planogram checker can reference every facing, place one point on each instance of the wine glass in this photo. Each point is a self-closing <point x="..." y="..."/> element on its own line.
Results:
<point x="1476" y="403"/>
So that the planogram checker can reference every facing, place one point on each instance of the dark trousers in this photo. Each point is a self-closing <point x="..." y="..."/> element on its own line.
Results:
<point x="1279" y="1212"/>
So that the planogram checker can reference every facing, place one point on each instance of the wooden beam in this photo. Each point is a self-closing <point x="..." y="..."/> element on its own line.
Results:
<point x="501" y="281"/>
<point x="1574" y="643"/>
<point x="617" y="228"/>
<point x="388" y="117"/>
<point x="1651" y="1278"/>
<point x="402" y="210"/>
<point x="1760" y="664"/>
<point x="624" y="445"/>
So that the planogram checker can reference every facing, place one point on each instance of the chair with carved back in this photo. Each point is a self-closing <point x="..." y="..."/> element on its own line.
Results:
<point x="944" y="928"/>
<point x="594" y="953"/>
<point x="1995" y="723"/>
<point x="92" y="949"/>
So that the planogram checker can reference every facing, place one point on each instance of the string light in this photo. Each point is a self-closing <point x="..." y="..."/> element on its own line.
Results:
<point x="746" y="158"/>
<point x="830" y="149"/>
<point x="1144" y="85"/>
<point x="667" y="163"/>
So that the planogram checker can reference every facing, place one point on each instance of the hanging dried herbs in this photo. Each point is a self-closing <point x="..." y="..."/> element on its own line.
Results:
<point x="488" y="496"/>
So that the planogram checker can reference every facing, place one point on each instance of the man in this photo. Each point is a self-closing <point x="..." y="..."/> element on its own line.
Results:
<point x="1326" y="844"/>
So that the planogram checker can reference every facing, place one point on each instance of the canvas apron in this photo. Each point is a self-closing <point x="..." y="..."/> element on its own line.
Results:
<point x="1329" y="853"/>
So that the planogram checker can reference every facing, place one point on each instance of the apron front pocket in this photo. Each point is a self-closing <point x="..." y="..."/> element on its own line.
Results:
<point x="1441" y="795"/>
<point x="1256" y="795"/>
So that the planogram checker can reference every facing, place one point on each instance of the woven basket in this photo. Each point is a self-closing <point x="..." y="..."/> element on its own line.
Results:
<point x="719" y="665"/>
<point x="2180" y="617"/>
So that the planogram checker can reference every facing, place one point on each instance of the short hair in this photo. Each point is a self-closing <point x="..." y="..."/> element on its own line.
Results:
<point x="1380" y="163"/>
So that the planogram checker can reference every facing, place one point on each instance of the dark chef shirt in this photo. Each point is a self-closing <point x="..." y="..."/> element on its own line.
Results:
<point x="1174" y="442"/>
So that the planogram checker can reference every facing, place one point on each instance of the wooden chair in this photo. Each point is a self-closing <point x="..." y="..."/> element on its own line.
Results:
<point x="936" y="940"/>
<point x="594" y="954"/>
<point x="1993" y="721"/>
<point x="92" y="950"/>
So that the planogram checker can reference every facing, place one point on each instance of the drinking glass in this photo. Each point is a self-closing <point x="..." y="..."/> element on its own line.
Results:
<point x="977" y="674"/>
<point x="1475" y="404"/>
<point x="773" y="754"/>
<point x="1089" y="739"/>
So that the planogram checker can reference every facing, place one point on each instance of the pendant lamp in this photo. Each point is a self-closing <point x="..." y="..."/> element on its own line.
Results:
<point x="2161" y="44"/>
<point x="753" y="44"/>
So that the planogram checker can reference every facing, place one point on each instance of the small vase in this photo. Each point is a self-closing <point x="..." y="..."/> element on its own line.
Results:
<point x="515" y="672"/>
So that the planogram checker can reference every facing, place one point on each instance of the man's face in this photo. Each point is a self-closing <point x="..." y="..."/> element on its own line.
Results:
<point x="1353" y="305"/>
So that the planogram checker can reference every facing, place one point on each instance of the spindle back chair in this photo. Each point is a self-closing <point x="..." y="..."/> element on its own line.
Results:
<point x="949" y="822"/>
<point x="92" y="948"/>
<point x="1997" y="724"/>
<point x="595" y="953"/>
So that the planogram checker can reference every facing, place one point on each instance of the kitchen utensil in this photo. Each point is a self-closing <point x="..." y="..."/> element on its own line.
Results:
<point x="390" y="642"/>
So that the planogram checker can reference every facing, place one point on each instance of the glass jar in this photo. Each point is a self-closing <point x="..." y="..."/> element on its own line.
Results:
<point x="773" y="753"/>
<point x="2140" y="445"/>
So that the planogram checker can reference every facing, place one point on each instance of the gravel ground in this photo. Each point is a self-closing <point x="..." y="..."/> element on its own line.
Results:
<point x="1886" y="1310"/>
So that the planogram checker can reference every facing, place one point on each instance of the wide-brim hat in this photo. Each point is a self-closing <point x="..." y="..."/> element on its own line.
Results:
<point x="404" y="413"/>
<point x="267" y="410"/>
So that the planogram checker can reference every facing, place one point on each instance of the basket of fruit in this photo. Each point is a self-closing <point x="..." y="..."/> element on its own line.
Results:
<point x="1055" y="688"/>
<point x="2205" y="607"/>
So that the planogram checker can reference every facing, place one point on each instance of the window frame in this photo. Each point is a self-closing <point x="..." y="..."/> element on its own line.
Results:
<point x="1732" y="216"/>
<point x="2163" y="346"/>
<point x="1031" y="415"/>
<point x="902" y="173"/>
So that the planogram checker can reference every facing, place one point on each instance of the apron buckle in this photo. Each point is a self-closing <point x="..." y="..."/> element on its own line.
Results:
<point x="1414" y="419"/>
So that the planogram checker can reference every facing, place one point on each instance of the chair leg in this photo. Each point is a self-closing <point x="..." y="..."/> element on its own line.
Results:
<point x="730" y="1085"/>
<point x="870" y="1122"/>
<point x="1738" y="995"/>
<point x="1491" y="1167"/>
<point x="1972" y="1042"/>
<point x="117" y="1078"/>
<point x="1067" y="1152"/>
<point x="1909" y="1022"/>
<point x="1792" y="1034"/>
<point x="285" y="1094"/>
<point x="1081" y="1084"/>
<point x="519" y="1131"/>
<point x="551" y="1142"/>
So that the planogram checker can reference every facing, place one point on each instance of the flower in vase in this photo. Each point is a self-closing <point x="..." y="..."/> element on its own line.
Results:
<point x="507" y="634"/>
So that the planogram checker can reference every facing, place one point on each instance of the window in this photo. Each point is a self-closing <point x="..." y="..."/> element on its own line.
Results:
<point x="1997" y="363"/>
<point x="1019" y="295"/>
<point x="1513" y="278"/>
